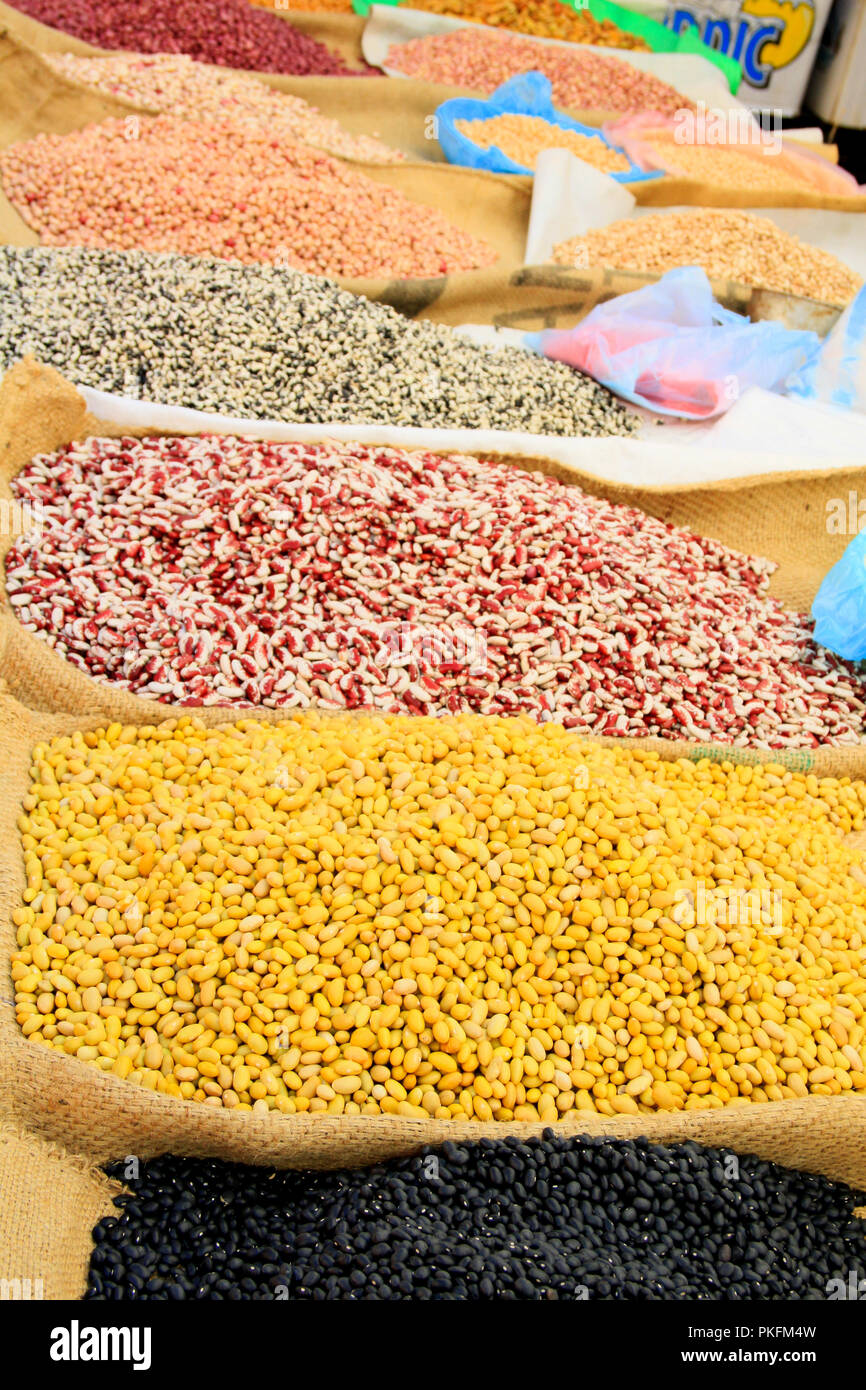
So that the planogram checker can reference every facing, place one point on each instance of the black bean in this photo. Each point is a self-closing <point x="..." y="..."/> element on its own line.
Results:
<point x="550" y="1218"/>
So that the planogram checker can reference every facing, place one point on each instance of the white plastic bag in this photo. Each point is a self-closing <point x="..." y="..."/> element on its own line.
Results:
<point x="836" y="375"/>
<point x="672" y="348"/>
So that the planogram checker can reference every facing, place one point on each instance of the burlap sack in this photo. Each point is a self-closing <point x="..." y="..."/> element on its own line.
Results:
<point x="493" y="207"/>
<point x="63" y="1099"/>
<point x="532" y="297"/>
<point x="780" y="516"/>
<point x="34" y="99"/>
<point x="67" y="1101"/>
<point x="50" y="1200"/>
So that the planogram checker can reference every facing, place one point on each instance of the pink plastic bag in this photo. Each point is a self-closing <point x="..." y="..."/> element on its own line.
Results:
<point x="651" y="142"/>
<point x="672" y="348"/>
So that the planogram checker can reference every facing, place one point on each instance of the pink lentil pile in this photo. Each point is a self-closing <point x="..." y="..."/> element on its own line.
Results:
<point x="231" y="33"/>
<point x="178" y="86"/>
<point x="201" y="188"/>
<point x="580" y="79"/>
<point x="218" y="570"/>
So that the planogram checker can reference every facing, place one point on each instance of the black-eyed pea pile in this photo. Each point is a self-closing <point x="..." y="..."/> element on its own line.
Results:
<point x="457" y="918"/>
<point x="275" y="343"/>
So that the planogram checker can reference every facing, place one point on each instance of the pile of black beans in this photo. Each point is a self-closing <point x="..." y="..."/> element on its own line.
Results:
<point x="550" y="1218"/>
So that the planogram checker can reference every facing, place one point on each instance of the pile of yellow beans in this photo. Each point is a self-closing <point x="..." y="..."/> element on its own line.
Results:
<point x="522" y="138"/>
<point x="462" y="917"/>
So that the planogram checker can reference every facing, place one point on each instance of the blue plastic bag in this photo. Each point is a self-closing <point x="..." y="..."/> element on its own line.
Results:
<point x="530" y="94"/>
<point x="839" y="608"/>
<point x="836" y="374"/>
<point x="672" y="348"/>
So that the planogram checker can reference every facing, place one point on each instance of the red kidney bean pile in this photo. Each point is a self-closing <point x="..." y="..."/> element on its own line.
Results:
<point x="239" y="193"/>
<point x="581" y="79"/>
<point x="231" y="33"/>
<point x="219" y="570"/>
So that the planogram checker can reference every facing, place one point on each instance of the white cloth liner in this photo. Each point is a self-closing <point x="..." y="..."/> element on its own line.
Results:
<point x="570" y="194"/>
<point x="695" y="77"/>
<point x="652" y="460"/>
<point x="784" y="424"/>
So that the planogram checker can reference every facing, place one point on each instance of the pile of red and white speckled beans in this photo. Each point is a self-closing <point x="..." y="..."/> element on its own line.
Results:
<point x="349" y="576"/>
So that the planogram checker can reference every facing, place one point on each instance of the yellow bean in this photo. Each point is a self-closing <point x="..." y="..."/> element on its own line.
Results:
<point x="465" y="917"/>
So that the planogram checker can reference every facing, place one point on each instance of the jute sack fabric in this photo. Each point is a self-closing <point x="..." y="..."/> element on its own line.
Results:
<point x="67" y="1101"/>
<point x="781" y="516"/>
<point x="50" y="1200"/>
<point x="35" y="100"/>
<point x="398" y="110"/>
<point x="530" y="298"/>
<point x="493" y="207"/>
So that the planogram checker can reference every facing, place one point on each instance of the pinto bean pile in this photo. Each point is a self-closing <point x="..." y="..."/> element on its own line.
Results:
<point x="213" y="570"/>
<point x="202" y="188"/>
